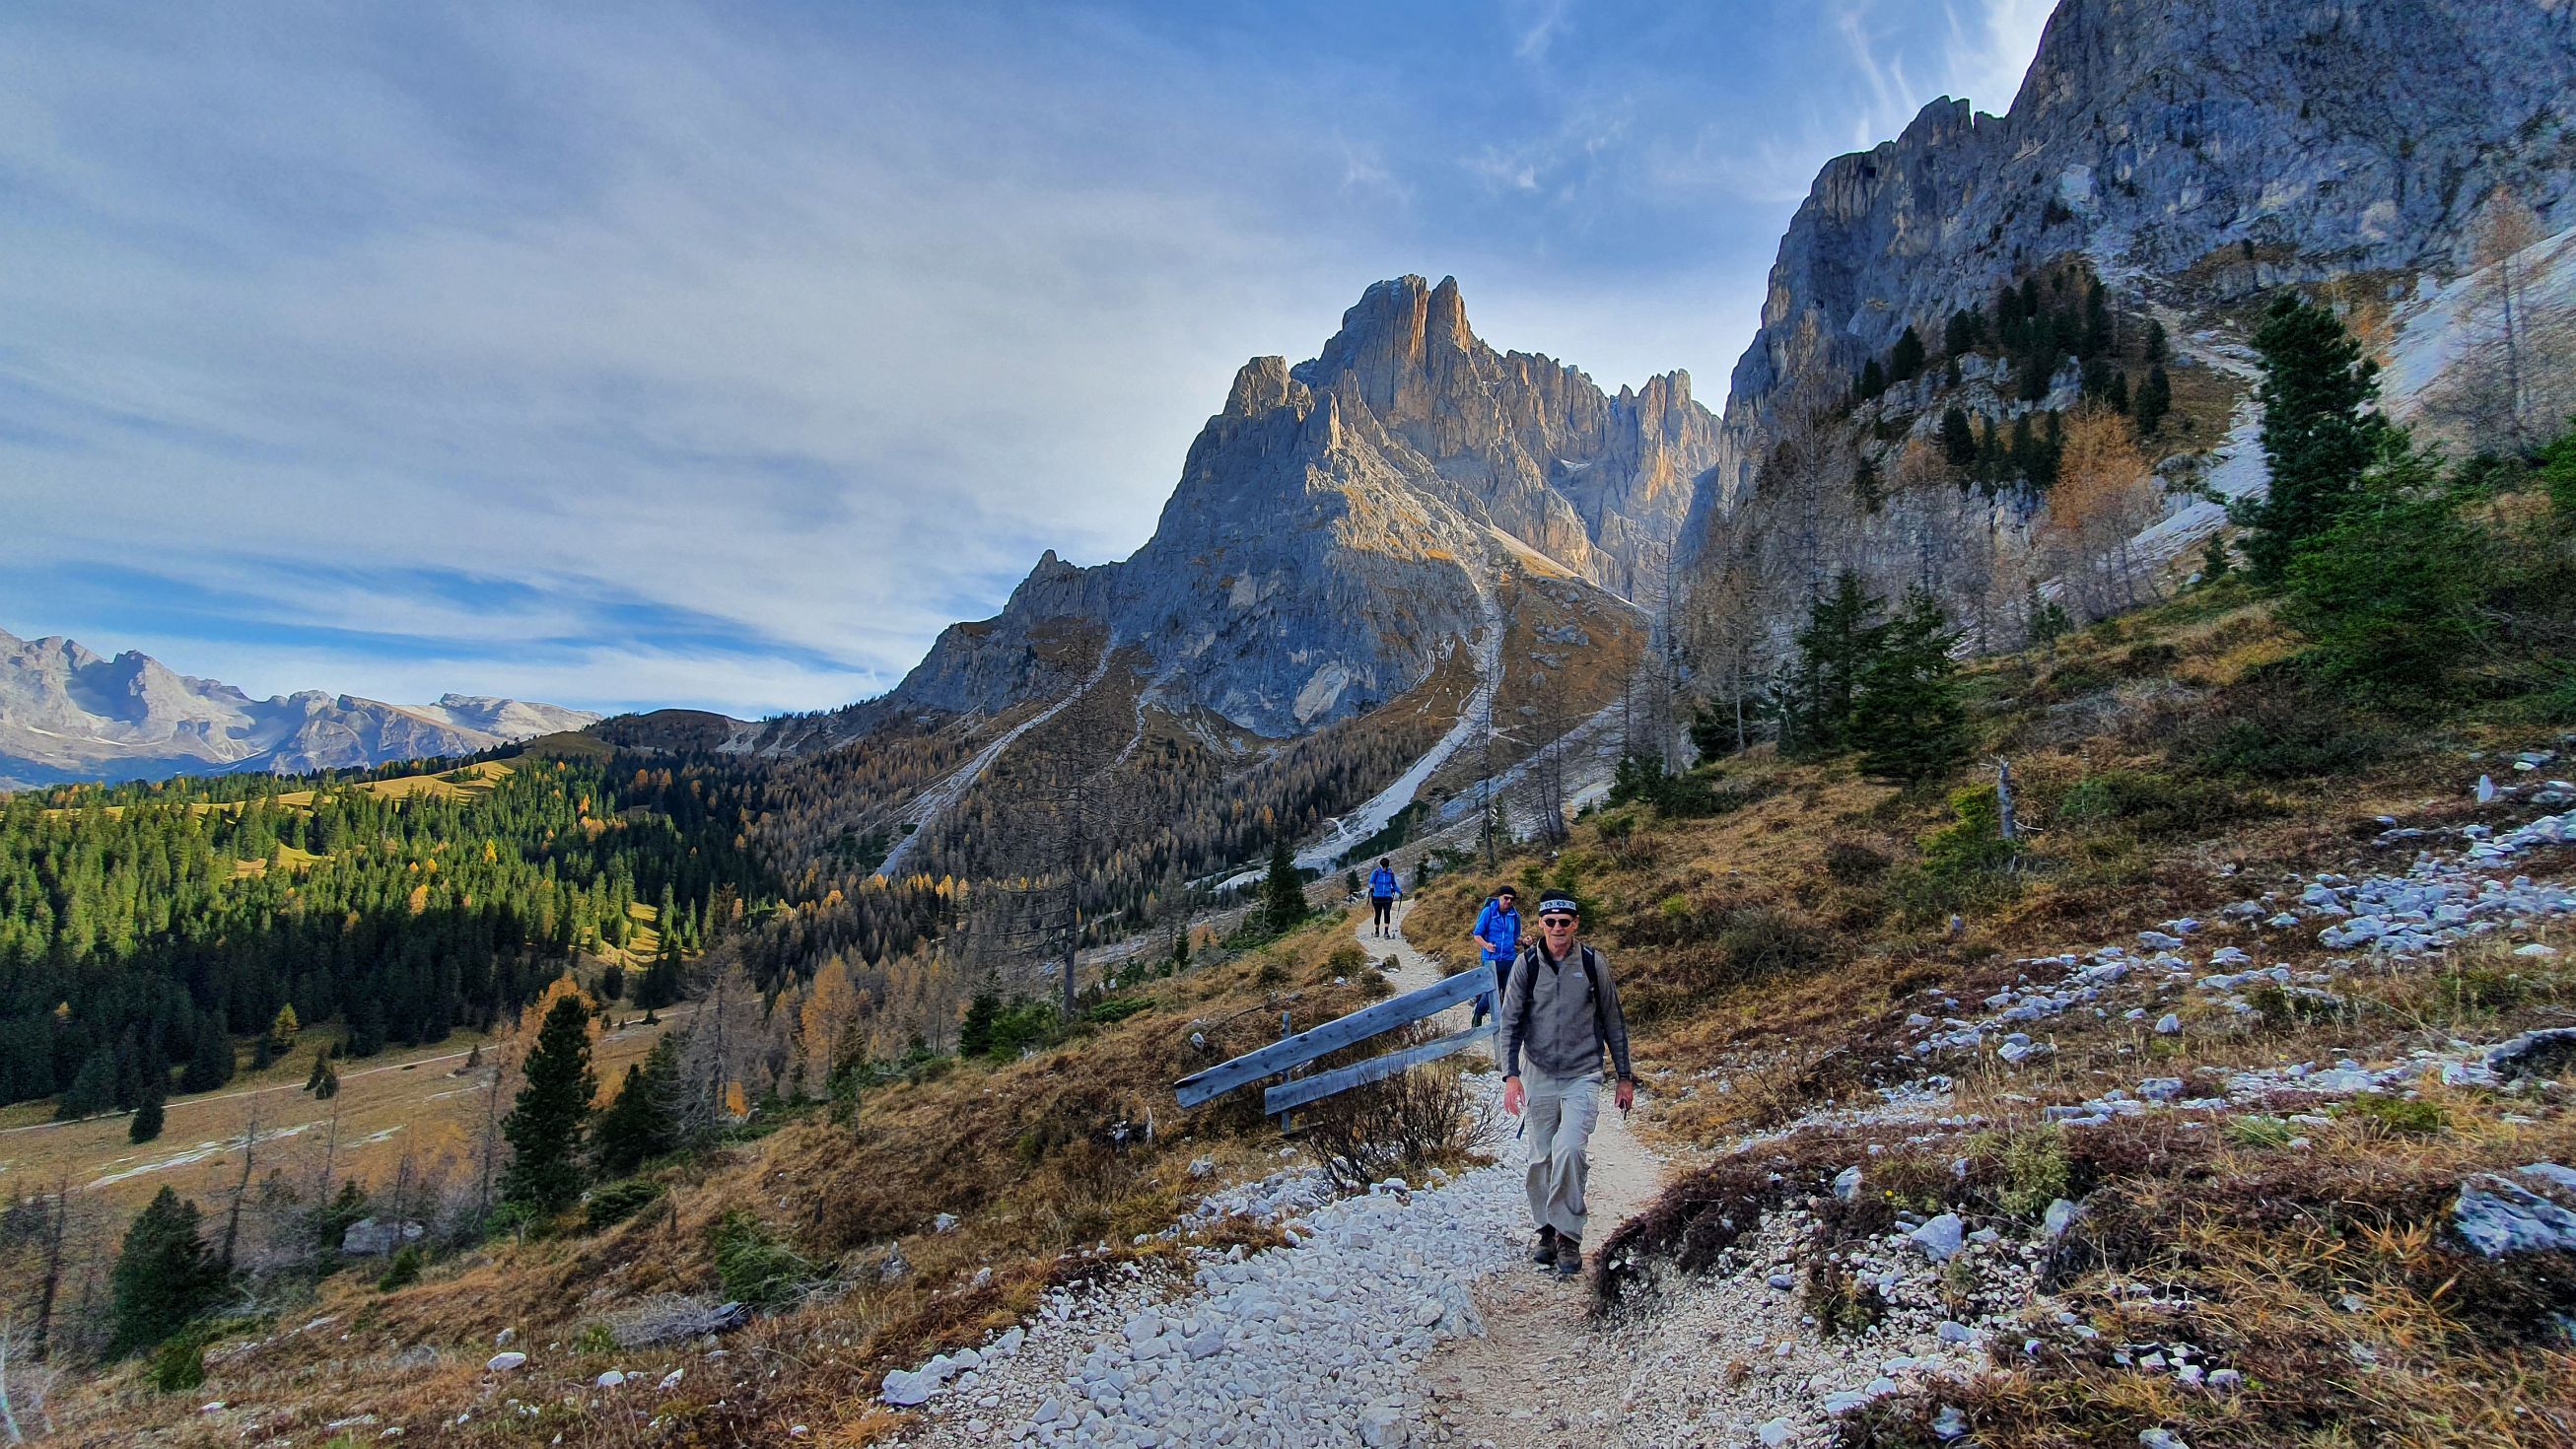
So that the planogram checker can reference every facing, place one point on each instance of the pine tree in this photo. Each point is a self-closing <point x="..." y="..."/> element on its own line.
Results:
<point x="164" y="1275"/>
<point x="93" y="1088"/>
<point x="1873" y="381"/>
<point x="1906" y="362"/>
<point x="1813" y="702"/>
<point x="282" y="1030"/>
<point x="210" y="1059"/>
<point x="1966" y="330"/>
<point x="640" y="1124"/>
<point x="975" y="1033"/>
<point x="1907" y="719"/>
<point x="1958" y="437"/>
<point x="1283" y="890"/>
<point x="545" y="1122"/>
<point x="2392" y="591"/>
<point x="2097" y="321"/>
<point x="2214" y="561"/>
<point x="146" y="1123"/>
<point x="2318" y="431"/>
<point x="661" y="984"/>
<point x="2154" y="400"/>
<point x="326" y="1084"/>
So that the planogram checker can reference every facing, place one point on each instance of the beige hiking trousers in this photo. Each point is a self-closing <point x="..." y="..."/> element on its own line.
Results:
<point x="1561" y="1113"/>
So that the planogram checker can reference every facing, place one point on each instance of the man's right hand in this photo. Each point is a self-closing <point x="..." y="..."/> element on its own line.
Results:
<point x="1512" y="1095"/>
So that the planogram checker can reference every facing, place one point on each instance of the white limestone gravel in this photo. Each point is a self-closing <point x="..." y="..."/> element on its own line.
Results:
<point x="1312" y="1344"/>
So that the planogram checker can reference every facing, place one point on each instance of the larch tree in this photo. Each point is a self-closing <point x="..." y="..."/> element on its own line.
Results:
<point x="824" y="1020"/>
<point x="2104" y="496"/>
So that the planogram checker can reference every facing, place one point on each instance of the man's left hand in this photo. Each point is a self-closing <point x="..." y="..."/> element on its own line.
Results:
<point x="1625" y="1095"/>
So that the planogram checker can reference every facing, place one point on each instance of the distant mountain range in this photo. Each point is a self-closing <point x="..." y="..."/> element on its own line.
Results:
<point x="68" y="713"/>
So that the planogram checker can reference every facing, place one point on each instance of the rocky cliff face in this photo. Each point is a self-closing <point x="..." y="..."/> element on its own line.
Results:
<point x="2238" y="146"/>
<point x="1338" y="526"/>
<point x="2191" y="158"/>
<point x="67" y="713"/>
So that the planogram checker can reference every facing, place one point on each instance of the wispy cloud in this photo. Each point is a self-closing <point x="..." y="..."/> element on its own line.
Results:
<point x="1536" y="26"/>
<point x="340" y="346"/>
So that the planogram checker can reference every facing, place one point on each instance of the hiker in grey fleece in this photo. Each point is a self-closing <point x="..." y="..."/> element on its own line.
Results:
<point x="1560" y="1009"/>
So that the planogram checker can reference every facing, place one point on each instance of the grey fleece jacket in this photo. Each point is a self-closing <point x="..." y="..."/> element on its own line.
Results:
<point x="1550" y="1015"/>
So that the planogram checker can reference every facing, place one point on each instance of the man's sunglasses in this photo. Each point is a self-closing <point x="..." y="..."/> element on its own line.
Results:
<point x="1559" y="919"/>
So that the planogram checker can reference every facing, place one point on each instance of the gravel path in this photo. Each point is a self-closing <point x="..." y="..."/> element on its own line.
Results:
<point x="1323" y="1342"/>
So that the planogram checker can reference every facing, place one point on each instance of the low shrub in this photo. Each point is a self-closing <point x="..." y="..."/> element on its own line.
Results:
<point x="615" y="1202"/>
<point x="1111" y="1009"/>
<point x="2154" y="805"/>
<point x="180" y="1365"/>
<point x="2037" y="1171"/>
<point x="753" y="1265"/>
<point x="1759" y="943"/>
<point x="1844" y="1306"/>
<point x="2397" y="1116"/>
<point x="1967" y="865"/>
<point x="402" y="1271"/>
<point x="1851" y="863"/>
<point x="1403" y="1125"/>
<point x="2277" y="724"/>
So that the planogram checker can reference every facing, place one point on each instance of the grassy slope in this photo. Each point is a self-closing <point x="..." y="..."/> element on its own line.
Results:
<point x="1771" y="958"/>
<point x="1024" y="1154"/>
<point x="1772" y="950"/>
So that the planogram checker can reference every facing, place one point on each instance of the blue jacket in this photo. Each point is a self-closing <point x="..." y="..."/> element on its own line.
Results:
<point x="1382" y="883"/>
<point x="1501" y="927"/>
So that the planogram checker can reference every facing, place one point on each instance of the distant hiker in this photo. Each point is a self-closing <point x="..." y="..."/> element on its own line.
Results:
<point x="1498" y="940"/>
<point x="1382" y="894"/>
<point x="1561" y="1020"/>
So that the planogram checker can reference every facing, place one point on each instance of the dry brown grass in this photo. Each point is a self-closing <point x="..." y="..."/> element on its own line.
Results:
<point x="1030" y="1157"/>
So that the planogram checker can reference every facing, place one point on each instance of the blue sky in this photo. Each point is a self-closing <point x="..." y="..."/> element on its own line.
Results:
<point x="637" y="354"/>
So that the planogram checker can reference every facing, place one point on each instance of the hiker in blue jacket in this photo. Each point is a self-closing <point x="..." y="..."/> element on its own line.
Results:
<point x="1498" y="939"/>
<point x="1382" y="894"/>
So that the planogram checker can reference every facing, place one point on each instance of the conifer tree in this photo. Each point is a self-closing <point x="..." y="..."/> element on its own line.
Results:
<point x="210" y="1061"/>
<point x="640" y="1123"/>
<point x="282" y="1030"/>
<point x="1873" y="381"/>
<point x="1865" y="486"/>
<point x="93" y="1088"/>
<point x="2154" y="400"/>
<point x="1965" y="331"/>
<point x="2392" y="591"/>
<point x="544" y="1127"/>
<point x="1813" y="702"/>
<point x="1283" y="890"/>
<point x="1958" y="438"/>
<point x="975" y="1032"/>
<point x="1907" y="360"/>
<point x="2214" y="561"/>
<point x="164" y="1275"/>
<point x="2318" y="431"/>
<point x="146" y="1123"/>
<point x="1907" y="719"/>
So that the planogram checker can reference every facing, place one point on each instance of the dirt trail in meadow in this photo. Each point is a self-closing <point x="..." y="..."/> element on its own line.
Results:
<point x="1523" y="1384"/>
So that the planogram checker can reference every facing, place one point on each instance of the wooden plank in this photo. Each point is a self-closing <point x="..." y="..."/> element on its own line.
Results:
<point x="1333" y="1035"/>
<point x="1341" y="1079"/>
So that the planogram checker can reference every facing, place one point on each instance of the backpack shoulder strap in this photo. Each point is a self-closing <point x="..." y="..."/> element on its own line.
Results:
<point x="1592" y="974"/>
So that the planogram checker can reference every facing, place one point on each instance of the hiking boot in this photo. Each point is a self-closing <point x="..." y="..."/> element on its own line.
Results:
<point x="1546" y="1254"/>
<point x="1569" y="1257"/>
